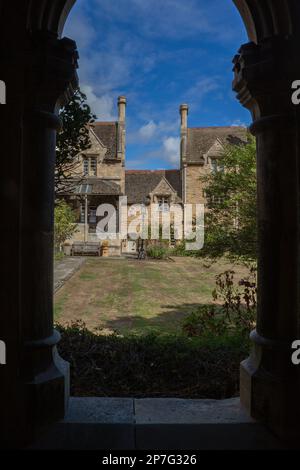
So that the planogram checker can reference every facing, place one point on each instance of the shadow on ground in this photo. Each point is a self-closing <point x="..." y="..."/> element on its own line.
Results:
<point x="171" y="319"/>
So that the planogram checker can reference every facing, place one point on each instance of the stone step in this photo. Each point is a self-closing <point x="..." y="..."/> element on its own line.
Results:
<point x="158" y="424"/>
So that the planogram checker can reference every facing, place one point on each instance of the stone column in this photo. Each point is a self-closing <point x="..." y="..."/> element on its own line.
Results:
<point x="270" y="385"/>
<point x="122" y="128"/>
<point x="40" y="77"/>
<point x="183" y="111"/>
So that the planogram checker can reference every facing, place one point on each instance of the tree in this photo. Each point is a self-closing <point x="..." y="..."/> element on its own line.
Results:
<point x="64" y="224"/>
<point x="231" y="225"/>
<point x="71" y="140"/>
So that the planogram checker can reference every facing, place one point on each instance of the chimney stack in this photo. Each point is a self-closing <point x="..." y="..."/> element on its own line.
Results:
<point x="122" y="133"/>
<point x="122" y="108"/>
<point x="184" y="111"/>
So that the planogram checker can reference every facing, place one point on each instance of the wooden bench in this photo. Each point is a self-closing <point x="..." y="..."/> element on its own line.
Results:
<point x="86" y="249"/>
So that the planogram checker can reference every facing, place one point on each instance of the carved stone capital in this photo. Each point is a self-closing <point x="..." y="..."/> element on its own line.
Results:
<point x="263" y="76"/>
<point x="50" y="71"/>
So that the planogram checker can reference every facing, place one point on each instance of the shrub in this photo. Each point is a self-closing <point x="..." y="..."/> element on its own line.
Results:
<point x="239" y="300"/>
<point x="205" y="321"/>
<point x="152" y="365"/>
<point x="64" y="224"/>
<point x="157" y="251"/>
<point x="235" y="315"/>
<point x="180" y="250"/>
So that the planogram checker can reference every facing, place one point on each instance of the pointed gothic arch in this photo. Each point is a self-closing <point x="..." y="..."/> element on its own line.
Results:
<point x="39" y="70"/>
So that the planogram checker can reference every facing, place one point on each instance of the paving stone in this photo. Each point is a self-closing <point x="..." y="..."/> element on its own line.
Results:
<point x="93" y="424"/>
<point x="173" y="410"/>
<point x="198" y="424"/>
<point x="64" y="270"/>
<point x="100" y="410"/>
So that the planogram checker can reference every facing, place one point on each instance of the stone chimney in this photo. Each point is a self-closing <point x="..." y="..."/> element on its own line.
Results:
<point x="122" y="129"/>
<point x="122" y="108"/>
<point x="184" y="110"/>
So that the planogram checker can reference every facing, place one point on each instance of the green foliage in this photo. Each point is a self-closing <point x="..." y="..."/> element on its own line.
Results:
<point x="58" y="255"/>
<point x="72" y="139"/>
<point x="64" y="223"/>
<point x="180" y="250"/>
<point x="230" y="225"/>
<point x="236" y="314"/>
<point x="205" y="321"/>
<point x="152" y="365"/>
<point x="157" y="251"/>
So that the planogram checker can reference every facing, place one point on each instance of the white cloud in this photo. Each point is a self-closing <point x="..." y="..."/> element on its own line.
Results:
<point x="171" y="146"/>
<point x="201" y="88"/>
<point x="153" y="131"/>
<point x="103" y="106"/>
<point x="238" y="123"/>
<point x="79" y="25"/>
<point x="148" y="130"/>
<point x="167" y="151"/>
<point x="171" y="18"/>
<point x="107" y="71"/>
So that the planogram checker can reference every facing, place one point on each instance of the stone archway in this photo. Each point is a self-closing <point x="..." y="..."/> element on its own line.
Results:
<point x="39" y="70"/>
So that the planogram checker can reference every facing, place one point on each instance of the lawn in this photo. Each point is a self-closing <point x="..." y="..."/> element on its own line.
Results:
<point x="131" y="296"/>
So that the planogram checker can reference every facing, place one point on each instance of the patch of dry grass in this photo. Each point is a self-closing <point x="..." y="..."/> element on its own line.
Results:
<point x="137" y="296"/>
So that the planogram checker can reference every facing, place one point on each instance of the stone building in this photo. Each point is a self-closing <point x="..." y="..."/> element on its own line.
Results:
<point x="100" y="176"/>
<point x="200" y="151"/>
<point x="103" y="177"/>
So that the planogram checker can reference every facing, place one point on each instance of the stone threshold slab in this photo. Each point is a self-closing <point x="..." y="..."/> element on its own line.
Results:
<point x="158" y="423"/>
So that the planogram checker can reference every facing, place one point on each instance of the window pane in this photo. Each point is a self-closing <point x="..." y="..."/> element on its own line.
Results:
<point x="163" y="204"/>
<point x="82" y="213"/>
<point x="93" y="166"/>
<point x="93" y="218"/>
<point x="85" y="167"/>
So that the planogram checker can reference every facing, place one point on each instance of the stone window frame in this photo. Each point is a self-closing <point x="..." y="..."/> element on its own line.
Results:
<point x="89" y="165"/>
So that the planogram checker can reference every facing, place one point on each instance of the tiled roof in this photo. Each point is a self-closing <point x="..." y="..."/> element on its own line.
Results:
<point x="105" y="187"/>
<point x="140" y="183"/>
<point x="201" y="139"/>
<point x="95" y="186"/>
<point x="107" y="132"/>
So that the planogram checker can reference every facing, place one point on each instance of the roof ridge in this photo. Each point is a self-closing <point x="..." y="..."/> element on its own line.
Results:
<point x="99" y="123"/>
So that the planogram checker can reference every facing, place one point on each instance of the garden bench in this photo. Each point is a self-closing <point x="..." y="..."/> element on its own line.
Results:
<point x="86" y="249"/>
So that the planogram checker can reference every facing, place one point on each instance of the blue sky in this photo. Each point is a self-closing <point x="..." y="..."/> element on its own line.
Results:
<point x="159" y="54"/>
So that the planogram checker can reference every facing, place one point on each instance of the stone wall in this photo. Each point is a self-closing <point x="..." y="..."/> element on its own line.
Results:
<point x="112" y="171"/>
<point x="194" y="187"/>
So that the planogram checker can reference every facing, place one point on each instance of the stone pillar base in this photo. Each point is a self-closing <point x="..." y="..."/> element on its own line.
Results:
<point x="272" y="397"/>
<point x="48" y="391"/>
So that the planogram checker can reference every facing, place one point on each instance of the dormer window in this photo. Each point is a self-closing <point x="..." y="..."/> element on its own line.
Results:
<point x="163" y="204"/>
<point x="90" y="166"/>
<point x="216" y="165"/>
